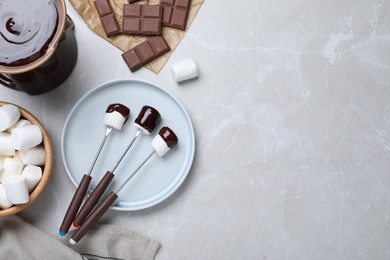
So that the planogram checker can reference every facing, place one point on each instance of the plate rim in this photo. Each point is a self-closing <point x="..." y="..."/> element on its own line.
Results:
<point x="118" y="82"/>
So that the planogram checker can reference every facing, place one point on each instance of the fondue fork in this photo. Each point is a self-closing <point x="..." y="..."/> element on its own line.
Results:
<point x="100" y="187"/>
<point x="162" y="143"/>
<point x="81" y="190"/>
<point x="102" y="207"/>
<point x="116" y="115"/>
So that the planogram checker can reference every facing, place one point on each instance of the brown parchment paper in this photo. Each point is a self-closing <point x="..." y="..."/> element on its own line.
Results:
<point x="87" y="10"/>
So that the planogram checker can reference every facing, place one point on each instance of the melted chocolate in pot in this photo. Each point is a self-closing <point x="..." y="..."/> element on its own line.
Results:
<point x="26" y="29"/>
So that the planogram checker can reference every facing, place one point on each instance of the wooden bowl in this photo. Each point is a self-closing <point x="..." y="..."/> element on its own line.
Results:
<point x="46" y="168"/>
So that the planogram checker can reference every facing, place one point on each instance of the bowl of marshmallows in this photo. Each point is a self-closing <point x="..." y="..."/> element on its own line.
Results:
<point x="26" y="158"/>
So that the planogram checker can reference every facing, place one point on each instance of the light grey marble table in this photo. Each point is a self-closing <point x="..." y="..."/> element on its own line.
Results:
<point x="292" y="119"/>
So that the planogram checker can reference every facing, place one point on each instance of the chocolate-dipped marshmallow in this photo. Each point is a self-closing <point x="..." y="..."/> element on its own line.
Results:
<point x="116" y="115"/>
<point x="147" y="119"/>
<point x="164" y="141"/>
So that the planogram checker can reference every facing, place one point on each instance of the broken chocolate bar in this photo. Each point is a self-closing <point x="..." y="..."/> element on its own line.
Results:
<point x="175" y="13"/>
<point x="142" y="19"/>
<point x="145" y="52"/>
<point x="107" y="17"/>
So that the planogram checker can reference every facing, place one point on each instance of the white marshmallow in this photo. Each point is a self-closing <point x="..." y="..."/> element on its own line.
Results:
<point x="185" y="69"/>
<point x="114" y="120"/>
<point x="33" y="175"/>
<point x="9" y="115"/>
<point x="26" y="137"/>
<point x="11" y="167"/>
<point x="4" y="203"/>
<point x="159" y="145"/>
<point x="20" y="123"/>
<point x="144" y="131"/>
<point x="2" y="163"/>
<point x="34" y="156"/>
<point x="6" y="147"/>
<point x="16" y="189"/>
<point x="17" y="157"/>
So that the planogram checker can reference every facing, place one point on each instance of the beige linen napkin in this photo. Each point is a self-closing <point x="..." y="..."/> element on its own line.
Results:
<point x="173" y="36"/>
<point x="21" y="240"/>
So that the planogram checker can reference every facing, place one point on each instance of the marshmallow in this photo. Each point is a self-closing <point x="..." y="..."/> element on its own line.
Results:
<point x="11" y="167"/>
<point x="17" y="157"/>
<point x="26" y="137"/>
<point x="164" y="141"/>
<point x="147" y="119"/>
<point x="16" y="189"/>
<point x="4" y="203"/>
<point x="114" y="120"/>
<point x="6" y="147"/>
<point x="2" y="163"/>
<point x="159" y="145"/>
<point x="20" y="123"/>
<point x="116" y="115"/>
<point x="185" y="69"/>
<point x="34" y="156"/>
<point x="33" y="175"/>
<point x="9" y="115"/>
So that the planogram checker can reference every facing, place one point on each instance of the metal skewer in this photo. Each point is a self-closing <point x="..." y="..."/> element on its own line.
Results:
<point x="103" y="206"/>
<point x="108" y="131"/>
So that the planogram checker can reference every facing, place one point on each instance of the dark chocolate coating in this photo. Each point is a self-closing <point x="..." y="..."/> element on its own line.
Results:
<point x="148" y="118"/>
<point x="122" y="109"/>
<point x="168" y="136"/>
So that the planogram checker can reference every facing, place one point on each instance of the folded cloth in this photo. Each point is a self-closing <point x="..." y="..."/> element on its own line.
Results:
<point x="21" y="240"/>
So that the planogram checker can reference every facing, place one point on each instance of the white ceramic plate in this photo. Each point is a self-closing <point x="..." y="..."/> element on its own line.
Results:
<point x="84" y="131"/>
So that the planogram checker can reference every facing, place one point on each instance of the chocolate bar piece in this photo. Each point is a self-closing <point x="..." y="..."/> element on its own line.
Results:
<point x="133" y="1"/>
<point x="145" y="52"/>
<point x="175" y="13"/>
<point x="107" y="17"/>
<point x="142" y="19"/>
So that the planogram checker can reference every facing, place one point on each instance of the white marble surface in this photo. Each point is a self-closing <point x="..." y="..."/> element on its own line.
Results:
<point x="292" y="120"/>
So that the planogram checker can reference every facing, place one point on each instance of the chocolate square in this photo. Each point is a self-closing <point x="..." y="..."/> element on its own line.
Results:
<point x="107" y="17"/>
<point x="151" y="26"/>
<point x="148" y="16"/>
<point x="132" y="60"/>
<point x="179" y="18"/>
<point x="167" y="13"/>
<point x="132" y="11"/>
<point x="158" y="45"/>
<point x="110" y="25"/>
<point x="103" y="7"/>
<point x="152" y="11"/>
<point x="145" y="52"/>
<point x="131" y="26"/>
<point x="175" y="13"/>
